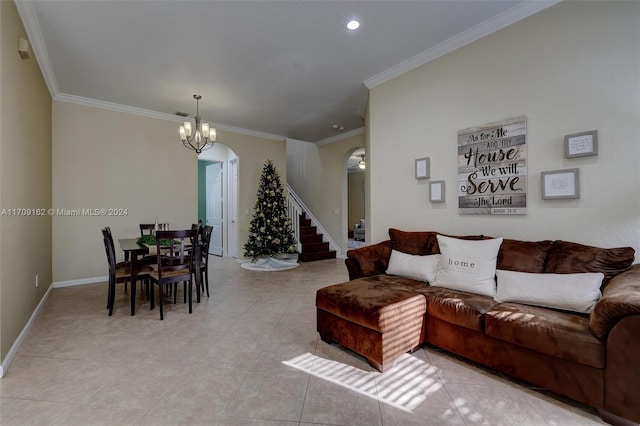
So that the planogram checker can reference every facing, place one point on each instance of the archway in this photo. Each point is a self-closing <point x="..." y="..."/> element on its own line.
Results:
<point x="217" y="198"/>
<point x="356" y="205"/>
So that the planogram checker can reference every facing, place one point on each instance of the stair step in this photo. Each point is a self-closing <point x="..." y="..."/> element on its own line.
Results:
<point x="305" y="222"/>
<point x="314" y="247"/>
<point x="310" y="257"/>
<point x="308" y="230"/>
<point x="307" y="239"/>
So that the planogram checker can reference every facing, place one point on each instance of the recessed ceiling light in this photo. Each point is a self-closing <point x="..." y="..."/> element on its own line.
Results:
<point x="353" y="25"/>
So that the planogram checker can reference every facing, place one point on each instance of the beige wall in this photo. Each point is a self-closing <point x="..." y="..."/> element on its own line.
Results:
<point x="112" y="160"/>
<point x="107" y="159"/>
<point x="573" y="67"/>
<point x="25" y="181"/>
<point x="318" y="174"/>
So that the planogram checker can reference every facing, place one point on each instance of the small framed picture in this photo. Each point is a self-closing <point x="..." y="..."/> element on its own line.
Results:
<point x="581" y="144"/>
<point x="436" y="191"/>
<point x="558" y="184"/>
<point x="422" y="168"/>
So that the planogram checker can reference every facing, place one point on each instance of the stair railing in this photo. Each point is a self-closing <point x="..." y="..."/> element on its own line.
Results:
<point x="296" y="207"/>
<point x="294" y="210"/>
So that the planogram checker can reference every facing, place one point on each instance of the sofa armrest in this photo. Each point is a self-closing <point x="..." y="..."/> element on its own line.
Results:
<point x="620" y="298"/>
<point x="368" y="260"/>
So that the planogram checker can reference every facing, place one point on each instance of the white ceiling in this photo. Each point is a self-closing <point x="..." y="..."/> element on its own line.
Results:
<point x="275" y="68"/>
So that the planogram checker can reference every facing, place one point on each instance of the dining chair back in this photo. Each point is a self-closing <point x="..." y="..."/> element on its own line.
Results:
<point x="118" y="272"/>
<point x="205" y="238"/>
<point x="147" y="229"/>
<point x="174" y="264"/>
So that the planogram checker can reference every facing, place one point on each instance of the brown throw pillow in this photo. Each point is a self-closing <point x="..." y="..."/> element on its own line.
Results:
<point x="372" y="259"/>
<point x="420" y="243"/>
<point x="436" y="247"/>
<point x="570" y="258"/>
<point x="523" y="256"/>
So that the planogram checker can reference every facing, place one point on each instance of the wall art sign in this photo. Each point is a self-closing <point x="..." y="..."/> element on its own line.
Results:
<point x="492" y="168"/>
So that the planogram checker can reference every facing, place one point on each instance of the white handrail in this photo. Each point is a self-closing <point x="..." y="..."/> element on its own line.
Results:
<point x="294" y="210"/>
<point x="296" y="207"/>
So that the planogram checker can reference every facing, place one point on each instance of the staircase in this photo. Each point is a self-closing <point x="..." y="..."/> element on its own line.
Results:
<point x="313" y="246"/>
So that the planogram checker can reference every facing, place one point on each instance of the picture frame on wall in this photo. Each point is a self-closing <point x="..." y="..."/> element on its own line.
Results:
<point x="436" y="191"/>
<point x="560" y="184"/>
<point x="422" y="166"/>
<point x="581" y="144"/>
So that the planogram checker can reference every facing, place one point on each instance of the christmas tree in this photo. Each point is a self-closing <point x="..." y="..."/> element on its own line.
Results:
<point x="270" y="229"/>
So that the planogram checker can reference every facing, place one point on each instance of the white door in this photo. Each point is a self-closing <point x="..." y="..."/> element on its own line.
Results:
<point x="215" y="203"/>
<point x="233" y="208"/>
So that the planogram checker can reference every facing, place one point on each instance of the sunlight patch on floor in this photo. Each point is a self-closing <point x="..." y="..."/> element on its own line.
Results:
<point x="405" y="385"/>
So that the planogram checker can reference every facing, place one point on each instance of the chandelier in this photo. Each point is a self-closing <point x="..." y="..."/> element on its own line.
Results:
<point x="202" y="138"/>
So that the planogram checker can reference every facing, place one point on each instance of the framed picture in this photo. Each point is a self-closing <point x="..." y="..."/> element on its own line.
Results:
<point x="560" y="184"/>
<point x="581" y="144"/>
<point x="422" y="168"/>
<point x="436" y="191"/>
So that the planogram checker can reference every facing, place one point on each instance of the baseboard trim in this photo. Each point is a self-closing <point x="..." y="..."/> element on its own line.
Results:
<point x="4" y="367"/>
<point x="81" y="281"/>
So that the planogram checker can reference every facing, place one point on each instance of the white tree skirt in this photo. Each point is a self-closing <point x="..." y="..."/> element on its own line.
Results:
<point x="270" y="264"/>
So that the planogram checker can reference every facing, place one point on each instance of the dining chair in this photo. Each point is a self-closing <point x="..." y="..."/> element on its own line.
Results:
<point x="205" y="239"/>
<point x="147" y="229"/>
<point x="173" y="264"/>
<point x="118" y="272"/>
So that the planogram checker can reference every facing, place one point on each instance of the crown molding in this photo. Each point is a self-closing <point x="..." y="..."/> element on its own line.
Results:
<point x="508" y="17"/>
<point x="95" y="103"/>
<point x="32" y="27"/>
<point x="341" y="136"/>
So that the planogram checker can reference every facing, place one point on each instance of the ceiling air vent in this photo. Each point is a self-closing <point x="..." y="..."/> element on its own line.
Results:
<point x="182" y="114"/>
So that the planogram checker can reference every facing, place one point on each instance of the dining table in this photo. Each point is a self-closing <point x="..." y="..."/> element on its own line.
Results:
<point x="133" y="250"/>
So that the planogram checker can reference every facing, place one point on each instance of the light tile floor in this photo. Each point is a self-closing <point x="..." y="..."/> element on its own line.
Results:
<point x="222" y="365"/>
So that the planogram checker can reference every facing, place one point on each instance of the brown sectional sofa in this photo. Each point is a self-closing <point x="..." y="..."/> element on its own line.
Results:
<point x="592" y="358"/>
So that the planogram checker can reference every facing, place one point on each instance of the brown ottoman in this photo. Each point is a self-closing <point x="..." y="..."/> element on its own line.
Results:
<point x="376" y="319"/>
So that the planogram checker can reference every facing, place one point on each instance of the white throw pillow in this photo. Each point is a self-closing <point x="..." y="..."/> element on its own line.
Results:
<point x="422" y="268"/>
<point x="468" y="265"/>
<point x="569" y="292"/>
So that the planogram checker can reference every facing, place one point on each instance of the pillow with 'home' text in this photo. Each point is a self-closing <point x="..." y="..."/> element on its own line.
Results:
<point x="468" y="265"/>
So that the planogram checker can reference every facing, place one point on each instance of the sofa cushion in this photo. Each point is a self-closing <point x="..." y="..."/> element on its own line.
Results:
<point x="468" y="265"/>
<point x="560" y="334"/>
<point x="570" y="258"/>
<point x="436" y="248"/>
<point x="569" y="292"/>
<point x="422" y="268"/>
<point x="419" y="243"/>
<point x="422" y="242"/>
<point x="523" y="256"/>
<point x="372" y="302"/>
<point x="372" y="259"/>
<point x="620" y="299"/>
<point x="457" y="307"/>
